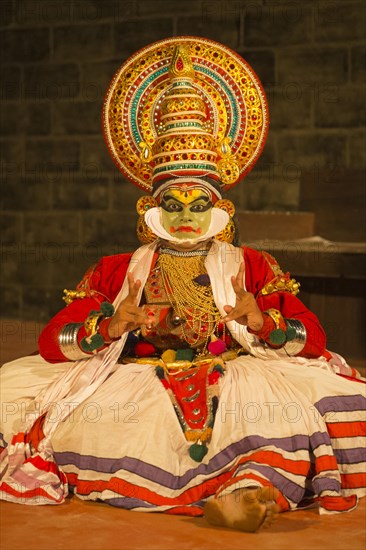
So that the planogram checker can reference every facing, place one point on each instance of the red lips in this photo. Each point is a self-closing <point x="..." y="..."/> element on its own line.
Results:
<point x="186" y="229"/>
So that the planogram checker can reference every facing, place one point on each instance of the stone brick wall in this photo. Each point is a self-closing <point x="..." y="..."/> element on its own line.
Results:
<point x="63" y="202"/>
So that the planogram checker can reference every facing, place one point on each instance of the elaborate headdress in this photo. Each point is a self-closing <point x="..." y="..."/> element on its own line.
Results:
<point x="186" y="109"/>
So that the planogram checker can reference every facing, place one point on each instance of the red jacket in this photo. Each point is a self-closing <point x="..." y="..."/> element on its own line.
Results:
<point x="103" y="282"/>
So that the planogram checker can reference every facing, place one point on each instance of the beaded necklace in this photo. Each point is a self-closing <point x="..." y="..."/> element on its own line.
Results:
<point x="192" y="301"/>
<point x="184" y="253"/>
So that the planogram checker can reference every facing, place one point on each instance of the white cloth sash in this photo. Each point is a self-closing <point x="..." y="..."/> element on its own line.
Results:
<point x="85" y="376"/>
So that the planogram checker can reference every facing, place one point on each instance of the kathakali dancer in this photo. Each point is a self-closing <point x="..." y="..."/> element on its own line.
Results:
<point x="187" y="377"/>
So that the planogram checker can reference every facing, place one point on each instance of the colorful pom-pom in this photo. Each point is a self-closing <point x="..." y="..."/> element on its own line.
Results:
<point x="277" y="337"/>
<point x="197" y="452"/>
<point x="219" y="368"/>
<point x="144" y="349"/>
<point x="107" y="309"/>
<point x="213" y="378"/>
<point x="95" y="342"/>
<point x="169" y="356"/>
<point x="185" y="354"/>
<point x="216" y="374"/>
<point x="216" y="347"/>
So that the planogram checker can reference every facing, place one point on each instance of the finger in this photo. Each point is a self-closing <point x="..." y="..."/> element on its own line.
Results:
<point x="235" y="285"/>
<point x="242" y="296"/>
<point x="133" y="287"/>
<point x="131" y="283"/>
<point x="231" y="313"/>
<point x="236" y="315"/>
<point x="238" y="280"/>
<point x="240" y="275"/>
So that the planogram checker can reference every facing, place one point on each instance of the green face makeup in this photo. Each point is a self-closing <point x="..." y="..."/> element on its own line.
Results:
<point x="186" y="214"/>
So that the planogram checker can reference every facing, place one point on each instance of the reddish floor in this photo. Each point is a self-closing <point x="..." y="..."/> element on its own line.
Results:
<point x="78" y="525"/>
<point x="94" y="526"/>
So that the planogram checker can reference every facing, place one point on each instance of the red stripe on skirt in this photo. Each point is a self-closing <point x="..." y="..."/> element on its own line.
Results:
<point x="346" y="429"/>
<point x="353" y="481"/>
<point x="29" y="493"/>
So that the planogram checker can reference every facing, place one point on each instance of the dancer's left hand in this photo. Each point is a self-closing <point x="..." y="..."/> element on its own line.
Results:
<point x="245" y="311"/>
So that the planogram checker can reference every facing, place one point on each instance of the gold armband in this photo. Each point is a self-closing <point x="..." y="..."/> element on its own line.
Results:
<point x="71" y="295"/>
<point x="91" y="323"/>
<point x="281" y="284"/>
<point x="93" y="341"/>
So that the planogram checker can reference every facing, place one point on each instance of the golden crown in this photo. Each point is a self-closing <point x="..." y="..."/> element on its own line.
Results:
<point x="185" y="107"/>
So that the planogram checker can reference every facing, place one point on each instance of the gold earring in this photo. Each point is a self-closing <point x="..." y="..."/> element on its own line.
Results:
<point x="228" y="233"/>
<point x="144" y="233"/>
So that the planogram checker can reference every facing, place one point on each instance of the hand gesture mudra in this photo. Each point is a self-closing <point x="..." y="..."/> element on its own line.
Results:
<point x="245" y="311"/>
<point x="129" y="315"/>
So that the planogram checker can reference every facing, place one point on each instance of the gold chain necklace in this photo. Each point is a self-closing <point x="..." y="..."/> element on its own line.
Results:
<point x="192" y="301"/>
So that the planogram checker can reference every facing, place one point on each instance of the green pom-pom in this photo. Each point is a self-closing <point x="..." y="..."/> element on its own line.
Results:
<point x="219" y="368"/>
<point x="277" y="337"/>
<point x="96" y="342"/>
<point x="184" y="355"/>
<point x="290" y="334"/>
<point x="107" y="309"/>
<point x="197" y="452"/>
<point x="85" y="346"/>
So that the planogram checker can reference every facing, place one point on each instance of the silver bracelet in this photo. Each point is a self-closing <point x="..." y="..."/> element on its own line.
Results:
<point x="68" y="342"/>
<point x="297" y="344"/>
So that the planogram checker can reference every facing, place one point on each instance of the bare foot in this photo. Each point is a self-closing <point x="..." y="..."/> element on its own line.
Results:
<point x="244" y="509"/>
